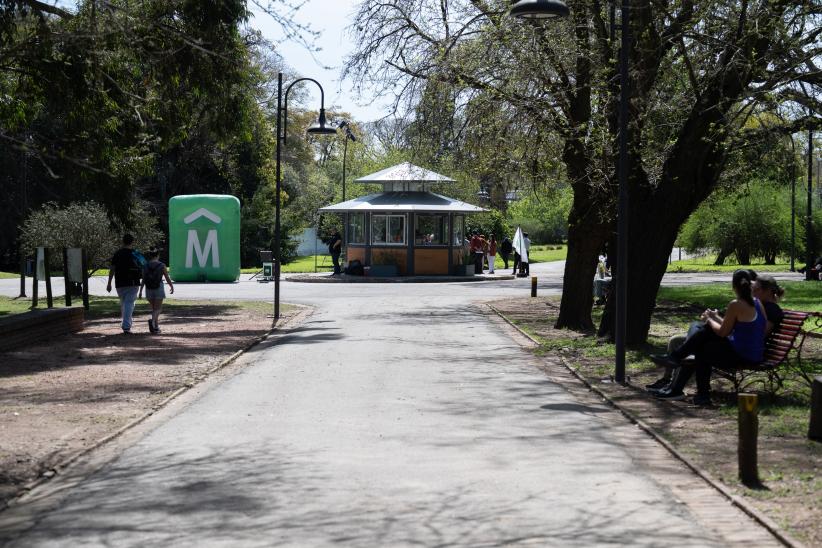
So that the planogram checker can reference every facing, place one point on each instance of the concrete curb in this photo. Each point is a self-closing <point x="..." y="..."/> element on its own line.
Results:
<point x="736" y="500"/>
<point x="328" y="279"/>
<point x="55" y="470"/>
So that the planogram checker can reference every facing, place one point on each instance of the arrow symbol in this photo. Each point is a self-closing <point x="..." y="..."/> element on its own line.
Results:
<point x="202" y="212"/>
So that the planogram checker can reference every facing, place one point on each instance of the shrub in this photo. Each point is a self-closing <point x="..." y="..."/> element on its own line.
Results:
<point x="86" y="225"/>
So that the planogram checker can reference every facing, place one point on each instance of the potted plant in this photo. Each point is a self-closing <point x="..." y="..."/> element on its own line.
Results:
<point x="467" y="266"/>
<point x="383" y="265"/>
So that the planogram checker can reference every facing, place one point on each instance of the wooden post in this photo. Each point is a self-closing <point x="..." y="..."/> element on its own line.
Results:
<point x="66" y="276"/>
<point x="748" y="405"/>
<point x="533" y="286"/>
<point x="815" y="427"/>
<point x="85" y="280"/>
<point x="47" y="270"/>
<point x="34" y="280"/>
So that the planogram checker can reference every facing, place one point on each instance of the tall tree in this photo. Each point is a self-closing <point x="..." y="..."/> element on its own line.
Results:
<point x="699" y="70"/>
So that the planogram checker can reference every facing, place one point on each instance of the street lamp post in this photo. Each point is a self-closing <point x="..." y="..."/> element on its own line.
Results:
<point x="546" y="9"/>
<point x="793" y="205"/>
<point x="809" y="235"/>
<point x="349" y="135"/>
<point x="319" y="128"/>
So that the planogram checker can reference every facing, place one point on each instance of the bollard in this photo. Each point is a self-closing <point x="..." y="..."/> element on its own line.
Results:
<point x="748" y="405"/>
<point x="533" y="286"/>
<point x="815" y="426"/>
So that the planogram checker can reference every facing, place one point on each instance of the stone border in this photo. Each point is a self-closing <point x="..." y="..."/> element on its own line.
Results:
<point x="736" y="500"/>
<point x="72" y="458"/>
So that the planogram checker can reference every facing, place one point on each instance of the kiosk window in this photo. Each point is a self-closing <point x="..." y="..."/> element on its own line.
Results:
<point x="388" y="229"/>
<point x="356" y="228"/>
<point x="431" y="230"/>
<point x="459" y="230"/>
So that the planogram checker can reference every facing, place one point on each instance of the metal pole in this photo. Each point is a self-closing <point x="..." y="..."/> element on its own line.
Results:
<point x="809" y="236"/>
<point x="345" y="154"/>
<point x="622" y="209"/>
<point x="793" y="223"/>
<point x="277" y="201"/>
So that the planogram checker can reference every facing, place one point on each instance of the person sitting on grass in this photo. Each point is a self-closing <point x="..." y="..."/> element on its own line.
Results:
<point x="735" y="340"/>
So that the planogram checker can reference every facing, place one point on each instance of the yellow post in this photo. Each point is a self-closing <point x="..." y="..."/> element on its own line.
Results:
<point x="748" y="405"/>
<point x="533" y="286"/>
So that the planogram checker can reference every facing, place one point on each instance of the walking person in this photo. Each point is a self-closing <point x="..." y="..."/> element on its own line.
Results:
<point x="476" y="252"/>
<point x="492" y="253"/>
<point x="153" y="275"/>
<point x="127" y="272"/>
<point x="335" y="248"/>
<point x="505" y="248"/>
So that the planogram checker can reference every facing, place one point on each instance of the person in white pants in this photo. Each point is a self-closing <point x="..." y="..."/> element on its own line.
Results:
<point x="492" y="253"/>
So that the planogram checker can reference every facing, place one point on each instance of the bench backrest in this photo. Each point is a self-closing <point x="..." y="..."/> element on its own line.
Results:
<point x="781" y="339"/>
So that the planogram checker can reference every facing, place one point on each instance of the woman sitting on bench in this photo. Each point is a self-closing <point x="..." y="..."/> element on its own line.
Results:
<point x="735" y="340"/>
<point x="769" y="292"/>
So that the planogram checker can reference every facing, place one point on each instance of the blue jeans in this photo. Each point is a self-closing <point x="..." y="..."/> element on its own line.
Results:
<point x="128" y="296"/>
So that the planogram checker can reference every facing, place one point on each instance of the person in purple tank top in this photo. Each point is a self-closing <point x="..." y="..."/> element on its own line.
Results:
<point x="737" y="339"/>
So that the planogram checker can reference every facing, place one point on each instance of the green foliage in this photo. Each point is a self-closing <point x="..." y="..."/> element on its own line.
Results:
<point x="86" y="225"/>
<point x="490" y="222"/>
<point x="543" y="215"/>
<point x="750" y="221"/>
<point x="138" y="100"/>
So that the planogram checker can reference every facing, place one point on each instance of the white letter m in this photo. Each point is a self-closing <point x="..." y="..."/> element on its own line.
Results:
<point x="211" y="246"/>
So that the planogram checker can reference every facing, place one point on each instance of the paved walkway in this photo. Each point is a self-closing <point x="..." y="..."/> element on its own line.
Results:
<point x="391" y="418"/>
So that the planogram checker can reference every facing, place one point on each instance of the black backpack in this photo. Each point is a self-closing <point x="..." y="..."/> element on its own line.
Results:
<point x="355" y="268"/>
<point x="153" y="275"/>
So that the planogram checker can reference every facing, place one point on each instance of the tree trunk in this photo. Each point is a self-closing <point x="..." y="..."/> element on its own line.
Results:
<point x="743" y="256"/>
<point x="721" y="256"/>
<point x="586" y="239"/>
<point x="656" y="214"/>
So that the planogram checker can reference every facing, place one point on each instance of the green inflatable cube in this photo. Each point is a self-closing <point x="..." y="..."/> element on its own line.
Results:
<point x="204" y="238"/>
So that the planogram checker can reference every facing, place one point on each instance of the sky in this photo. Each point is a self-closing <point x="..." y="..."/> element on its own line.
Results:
<point x="330" y="18"/>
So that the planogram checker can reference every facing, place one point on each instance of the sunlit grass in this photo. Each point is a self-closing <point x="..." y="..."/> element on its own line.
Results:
<point x="805" y="296"/>
<point x="706" y="264"/>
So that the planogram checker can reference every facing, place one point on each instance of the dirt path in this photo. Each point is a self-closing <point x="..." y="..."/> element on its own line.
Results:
<point x="62" y="396"/>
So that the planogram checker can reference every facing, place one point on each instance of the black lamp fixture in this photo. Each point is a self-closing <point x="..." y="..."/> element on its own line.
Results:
<point x="318" y="128"/>
<point x="539" y="9"/>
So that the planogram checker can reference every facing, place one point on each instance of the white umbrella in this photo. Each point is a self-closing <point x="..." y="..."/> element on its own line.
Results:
<point x="519" y="245"/>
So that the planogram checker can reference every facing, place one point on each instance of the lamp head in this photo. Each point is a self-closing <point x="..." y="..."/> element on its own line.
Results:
<point x="538" y="10"/>
<point x="321" y="127"/>
<point x="348" y="133"/>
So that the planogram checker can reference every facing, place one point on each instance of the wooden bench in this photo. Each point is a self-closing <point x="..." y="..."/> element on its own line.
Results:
<point x="778" y="348"/>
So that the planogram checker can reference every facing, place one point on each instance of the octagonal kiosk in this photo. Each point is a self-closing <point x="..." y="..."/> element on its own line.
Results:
<point x="405" y="230"/>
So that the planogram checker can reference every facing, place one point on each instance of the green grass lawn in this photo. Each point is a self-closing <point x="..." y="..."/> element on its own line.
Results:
<point x="806" y="296"/>
<point x="706" y="264"/>
<point x="546" y="253"/>
<point x="9" y="275"/>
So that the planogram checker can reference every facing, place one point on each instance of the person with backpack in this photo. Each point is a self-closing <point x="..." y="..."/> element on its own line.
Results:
<point x="153" y="275"/>
<point x="126" y="269"/>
